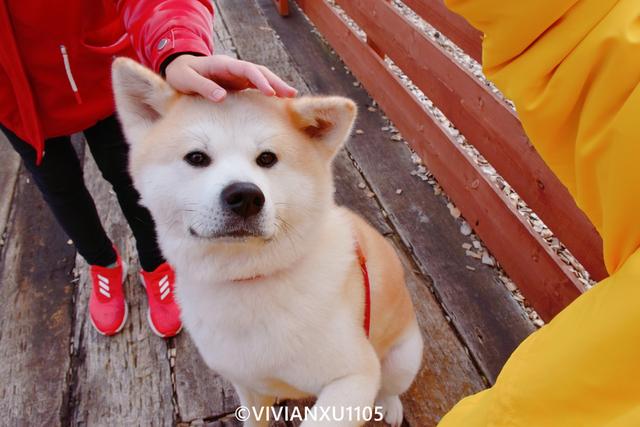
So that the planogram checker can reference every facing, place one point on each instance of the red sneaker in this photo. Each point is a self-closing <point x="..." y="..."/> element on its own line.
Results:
<point x="107" y="306"/>
<point x="163" y="314"/>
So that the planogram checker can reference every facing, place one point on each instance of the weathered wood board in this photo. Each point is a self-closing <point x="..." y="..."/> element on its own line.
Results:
<point x="348" y="192"/>
<point x="201" y="393"/>
<point x="229" y="421"/>
<point x="36" y="313"/>
<point x="488" y="319"/>
<point x="9" y="165"/>
<point x="450" y="24"/>
<point x="124" y="379"/>
<point x="255" y="40"/>
<point x="222" y="43"/>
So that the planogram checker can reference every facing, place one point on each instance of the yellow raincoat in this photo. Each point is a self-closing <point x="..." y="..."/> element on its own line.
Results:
<point x="572" y="67"/>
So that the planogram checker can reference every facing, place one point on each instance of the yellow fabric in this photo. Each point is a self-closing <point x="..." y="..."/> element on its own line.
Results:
<point x="572" y="67"/>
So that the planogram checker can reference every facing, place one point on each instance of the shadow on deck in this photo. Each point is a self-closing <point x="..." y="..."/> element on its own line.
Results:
<point x="57" y="370"/>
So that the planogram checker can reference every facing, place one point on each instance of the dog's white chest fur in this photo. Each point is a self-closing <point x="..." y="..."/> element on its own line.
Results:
<point x="286" y="328"/>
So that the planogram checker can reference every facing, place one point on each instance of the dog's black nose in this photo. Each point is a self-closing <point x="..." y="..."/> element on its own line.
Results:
<point x="243" y="198"/>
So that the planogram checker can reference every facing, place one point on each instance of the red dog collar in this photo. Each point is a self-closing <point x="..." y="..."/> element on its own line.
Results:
<point x="362" y="260"/>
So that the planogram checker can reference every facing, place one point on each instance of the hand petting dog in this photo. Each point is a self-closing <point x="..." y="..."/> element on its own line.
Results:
<point x="211" y="77"/>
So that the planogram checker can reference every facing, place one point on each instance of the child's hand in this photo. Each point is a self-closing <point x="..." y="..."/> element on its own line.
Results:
<point x="210" y="76"/>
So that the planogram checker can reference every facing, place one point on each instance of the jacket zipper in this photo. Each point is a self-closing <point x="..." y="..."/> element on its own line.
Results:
<point x="67" y="68"/>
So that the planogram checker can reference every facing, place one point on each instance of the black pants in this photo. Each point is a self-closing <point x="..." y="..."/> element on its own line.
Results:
<point x="60" y="179"/>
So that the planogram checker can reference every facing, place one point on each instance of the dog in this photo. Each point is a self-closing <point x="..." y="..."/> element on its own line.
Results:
<point x="284" y="293"/>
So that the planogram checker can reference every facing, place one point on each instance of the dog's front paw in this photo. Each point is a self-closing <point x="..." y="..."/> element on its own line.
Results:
<point x="392" y="409"/>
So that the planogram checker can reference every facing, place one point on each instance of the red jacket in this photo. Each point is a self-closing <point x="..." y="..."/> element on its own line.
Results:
<point x="55" y="56"/>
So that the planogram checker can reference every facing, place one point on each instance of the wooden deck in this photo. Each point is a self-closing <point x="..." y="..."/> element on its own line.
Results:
<point x="56" y="370"/>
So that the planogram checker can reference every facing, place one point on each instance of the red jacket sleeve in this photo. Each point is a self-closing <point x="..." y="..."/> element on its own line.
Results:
<point x="159" y="29"/>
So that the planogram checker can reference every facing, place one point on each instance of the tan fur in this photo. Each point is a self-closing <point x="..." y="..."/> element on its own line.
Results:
<point x="391" y="307"/>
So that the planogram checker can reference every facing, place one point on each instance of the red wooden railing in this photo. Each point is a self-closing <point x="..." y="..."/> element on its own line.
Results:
<point x="487" y="123"/>
<point x="282" y="6"/>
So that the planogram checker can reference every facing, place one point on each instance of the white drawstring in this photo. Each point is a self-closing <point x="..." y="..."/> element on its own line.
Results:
<point x="67" y="68"/>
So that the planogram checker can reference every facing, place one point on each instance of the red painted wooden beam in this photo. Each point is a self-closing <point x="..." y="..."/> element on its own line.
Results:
<point x="485" y="121"/>
<point x="545" y="281"/>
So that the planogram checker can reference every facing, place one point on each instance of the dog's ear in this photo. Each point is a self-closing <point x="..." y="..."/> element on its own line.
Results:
<point x="327" y="120"/>
<point x="142" y="97"/>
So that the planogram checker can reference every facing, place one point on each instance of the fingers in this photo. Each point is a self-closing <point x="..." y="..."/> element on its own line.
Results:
<point x="212" y="76"/>
<point x="282" y="89"/>
<point x="195" y="82"/>
<point x="253" y="74"/>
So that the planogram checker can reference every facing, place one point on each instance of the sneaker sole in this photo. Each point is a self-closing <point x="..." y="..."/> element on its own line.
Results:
<point x="155" y="331"/>
<point x="150" y="322"/>
<point x="125" y="267"/>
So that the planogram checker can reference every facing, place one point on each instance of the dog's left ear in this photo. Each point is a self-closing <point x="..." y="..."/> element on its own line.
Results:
<point x="327" y="120"/>
<point x="142" y="97"/>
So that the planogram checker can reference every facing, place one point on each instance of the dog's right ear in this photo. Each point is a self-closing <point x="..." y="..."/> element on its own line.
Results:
<point x="326" y="120"/>
<point x="142" y="97"/>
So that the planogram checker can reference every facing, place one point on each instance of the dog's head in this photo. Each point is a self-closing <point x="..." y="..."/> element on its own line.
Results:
<point x="247" y="171"/>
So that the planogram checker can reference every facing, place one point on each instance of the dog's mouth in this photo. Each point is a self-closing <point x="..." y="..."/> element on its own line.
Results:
<point x="237" y="234"/>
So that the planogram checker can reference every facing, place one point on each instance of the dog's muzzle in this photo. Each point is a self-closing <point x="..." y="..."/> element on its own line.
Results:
<point x="241" y="204"/>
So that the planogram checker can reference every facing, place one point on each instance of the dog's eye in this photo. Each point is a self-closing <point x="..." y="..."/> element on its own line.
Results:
<point x="266" y="159"/>
<point x="198" y="159"/>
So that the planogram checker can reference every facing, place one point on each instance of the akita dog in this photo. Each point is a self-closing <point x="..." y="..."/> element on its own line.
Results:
<point x="284" y="293"/>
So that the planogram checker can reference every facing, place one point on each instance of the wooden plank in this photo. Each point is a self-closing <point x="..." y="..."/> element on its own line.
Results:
<point x="448" y="372"/>
<point x="221" y="38"/>
<point x="201" y="393"/>
<point x="124" y="379"/>
<point x="228" y="421"/>
<point x="452" y="25"/>
<point x="249" y="39"/>
<point x="488" y="319"/>
<point x="377" y="48"/>
<point x="9" y="166"/>
<point x="348" y="182"/>
<point x="486" y="123"/>
<point x="35" y="314"/>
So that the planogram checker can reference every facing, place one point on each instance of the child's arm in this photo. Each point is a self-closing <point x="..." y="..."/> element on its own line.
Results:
<point x="175" y="37"/>
<point x="159" y="29"/>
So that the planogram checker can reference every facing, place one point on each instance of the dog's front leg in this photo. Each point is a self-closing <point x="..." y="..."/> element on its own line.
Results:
<point x="342" y="402"/>
<point x="257" y="407"/>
